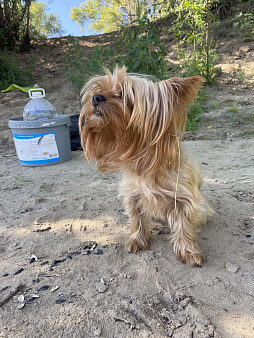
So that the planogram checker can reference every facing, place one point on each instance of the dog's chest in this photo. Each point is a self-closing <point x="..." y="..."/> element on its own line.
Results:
<point x="151" y="193"/>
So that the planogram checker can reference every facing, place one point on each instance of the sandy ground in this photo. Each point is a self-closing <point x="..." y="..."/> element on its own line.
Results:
<point x="62" y="212"/>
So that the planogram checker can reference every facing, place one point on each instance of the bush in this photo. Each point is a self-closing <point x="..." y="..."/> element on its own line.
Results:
<point x="137" y="46"/>
<point x="145" y="53"/>
<point x="195" y="111"/>
<point x="192" y="26"/>
<point x="245" y="23"/>
<point x="10" y="72"/>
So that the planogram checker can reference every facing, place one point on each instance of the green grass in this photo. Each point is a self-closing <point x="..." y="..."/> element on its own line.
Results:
<point x="233" y="109"/>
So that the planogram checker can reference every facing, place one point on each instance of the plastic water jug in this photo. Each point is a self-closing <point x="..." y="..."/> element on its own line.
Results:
<point x="38" y="107"/>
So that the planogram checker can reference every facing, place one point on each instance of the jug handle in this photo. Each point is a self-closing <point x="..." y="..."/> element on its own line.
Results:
<point x="36" y="92"/>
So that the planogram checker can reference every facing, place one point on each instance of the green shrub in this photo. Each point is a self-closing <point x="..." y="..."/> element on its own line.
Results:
<point x="10" y="72"/>
<point x="78" y="65"/>
<point x="245" y="23"/>
<point x="137" y="46"/>
<point x="197" y="65"/>
<point x="195" y="111"/>
<point x="145" y="52"/>
<point x="192" y="26"/>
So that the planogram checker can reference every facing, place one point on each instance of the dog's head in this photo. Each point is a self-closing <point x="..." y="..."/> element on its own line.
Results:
<point x="133" y="122"/>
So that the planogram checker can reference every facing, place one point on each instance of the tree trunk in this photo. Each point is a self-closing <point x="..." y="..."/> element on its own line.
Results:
<point x="12" y="14"/>
<point x="207" y="39"/>
<point x="1" y="27"/>
<point x="7" y="33"/>
<point x="25" y="43"/>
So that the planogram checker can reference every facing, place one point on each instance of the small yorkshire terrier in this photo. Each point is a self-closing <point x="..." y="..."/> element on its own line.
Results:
<point x="130" y="122"/>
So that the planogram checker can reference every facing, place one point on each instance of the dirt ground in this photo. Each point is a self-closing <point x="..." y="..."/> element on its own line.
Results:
<point x="63" y="212"/>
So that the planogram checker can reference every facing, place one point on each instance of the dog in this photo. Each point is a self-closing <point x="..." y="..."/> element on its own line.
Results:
<point x="135" y="124"/>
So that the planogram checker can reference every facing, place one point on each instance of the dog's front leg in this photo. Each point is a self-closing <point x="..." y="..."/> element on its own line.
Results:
<point x="185" y="230"/>
<point x="140" y="221"/>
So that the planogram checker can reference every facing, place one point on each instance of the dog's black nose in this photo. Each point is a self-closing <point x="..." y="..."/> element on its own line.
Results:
<point x="97" y="99"/>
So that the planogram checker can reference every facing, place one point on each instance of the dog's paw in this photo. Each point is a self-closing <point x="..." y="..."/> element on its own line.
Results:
<point x="190" y="255"/>
<point x="134" y="245"/>
<point x="193" y="259"/>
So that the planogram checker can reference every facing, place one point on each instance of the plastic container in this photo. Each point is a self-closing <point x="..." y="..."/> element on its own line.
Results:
<point x="43" y="141"/>
<point x="38" y="107"/>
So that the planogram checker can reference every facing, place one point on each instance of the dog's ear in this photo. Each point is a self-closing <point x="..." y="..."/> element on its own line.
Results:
<point x="185" y="89"/>
<point x="180" y="93"/>
<point x="158" y="118"/>
<point x="173" y="96"/>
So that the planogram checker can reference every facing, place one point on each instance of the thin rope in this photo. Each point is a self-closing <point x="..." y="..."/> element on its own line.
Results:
<point x="178" y="171"/>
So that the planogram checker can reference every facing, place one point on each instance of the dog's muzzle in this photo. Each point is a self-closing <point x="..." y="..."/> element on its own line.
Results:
<point x="97" y="99"/>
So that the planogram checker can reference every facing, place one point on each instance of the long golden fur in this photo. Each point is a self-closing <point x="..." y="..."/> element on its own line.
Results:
<point x="134" y="124"/>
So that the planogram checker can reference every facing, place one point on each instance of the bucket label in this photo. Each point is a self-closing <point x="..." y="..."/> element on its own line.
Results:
<point x="39" y="148"/>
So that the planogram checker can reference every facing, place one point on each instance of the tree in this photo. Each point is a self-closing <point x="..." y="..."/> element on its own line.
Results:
<point x="43" y="25"/>
<point x="21" y="20"/>
<point x="108" y="15"/>
<point x="14" y="23"/>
